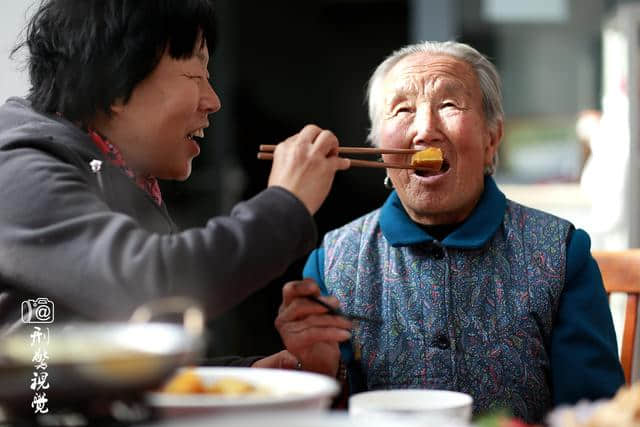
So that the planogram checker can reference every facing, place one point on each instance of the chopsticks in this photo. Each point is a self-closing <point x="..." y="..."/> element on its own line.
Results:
<point x="359" y="150"/>
<point x="338" y="312"/>
<point x="267" y="150"/>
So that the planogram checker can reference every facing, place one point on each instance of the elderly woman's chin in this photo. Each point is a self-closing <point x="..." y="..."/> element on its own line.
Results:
<point x="423" y="201"/>
<point x="443" y="204"/>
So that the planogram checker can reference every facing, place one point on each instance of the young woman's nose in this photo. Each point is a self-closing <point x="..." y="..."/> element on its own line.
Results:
<point x="209" y="100"/>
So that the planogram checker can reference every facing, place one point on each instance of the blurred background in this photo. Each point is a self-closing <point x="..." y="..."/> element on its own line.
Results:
<point x="571" y="79"/>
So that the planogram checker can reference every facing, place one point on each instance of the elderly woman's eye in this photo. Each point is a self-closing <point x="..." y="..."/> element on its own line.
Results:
<point x="449" y="104"/>
<point x="401" y="110"/>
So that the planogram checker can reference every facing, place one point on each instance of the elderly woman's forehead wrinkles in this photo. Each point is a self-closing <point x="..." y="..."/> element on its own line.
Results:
<point x="449" y="87"/>
<point x="399" y="90"/>
<point x="434" y="86"/>
<point x="405" y="87"/>
<point x="433" y="67"/>
<point x="416" y="69"/>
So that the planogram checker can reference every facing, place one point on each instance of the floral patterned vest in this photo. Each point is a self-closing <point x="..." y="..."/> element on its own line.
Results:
<point x="476" y="320"/>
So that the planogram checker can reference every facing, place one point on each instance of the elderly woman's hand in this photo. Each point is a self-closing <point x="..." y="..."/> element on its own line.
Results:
<point x="308" y="331"/>
<point x="306" y="163"/>
<point x="281" y="360"/>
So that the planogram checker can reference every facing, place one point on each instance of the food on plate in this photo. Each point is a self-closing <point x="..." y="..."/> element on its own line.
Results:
<point x="231" y="385"/>
<point x="189" y="382"/>
<point x="185" y="382"/>
<point x="429" y="158"/>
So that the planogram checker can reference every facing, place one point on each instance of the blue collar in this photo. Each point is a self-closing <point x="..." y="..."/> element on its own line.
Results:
<point x="474" y="232"/>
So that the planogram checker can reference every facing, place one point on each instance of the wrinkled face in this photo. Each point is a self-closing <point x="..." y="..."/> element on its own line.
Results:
<point x="155" y="128"/>
<point x="436" y="101"/>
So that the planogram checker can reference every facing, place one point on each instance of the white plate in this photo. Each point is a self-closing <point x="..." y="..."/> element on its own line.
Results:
<point x="287" y="390"/>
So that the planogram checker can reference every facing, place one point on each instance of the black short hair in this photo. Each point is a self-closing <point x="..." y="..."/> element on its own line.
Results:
<point x="86" y="54"/>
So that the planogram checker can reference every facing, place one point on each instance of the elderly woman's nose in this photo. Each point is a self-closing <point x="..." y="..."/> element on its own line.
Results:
<point x="209" y="100"/>
<point x="426" y="126"/>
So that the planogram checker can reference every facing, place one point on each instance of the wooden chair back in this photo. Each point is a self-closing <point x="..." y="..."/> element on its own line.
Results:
<point x="621" y="273"/>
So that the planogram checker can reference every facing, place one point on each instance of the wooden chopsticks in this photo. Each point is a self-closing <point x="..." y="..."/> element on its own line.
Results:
<point x="267" y="150"/>
<point x="358" y="150"/>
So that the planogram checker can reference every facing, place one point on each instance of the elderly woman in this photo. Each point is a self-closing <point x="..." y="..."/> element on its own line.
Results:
<point x="466" y="290"/>
<point x="120" y="98"/>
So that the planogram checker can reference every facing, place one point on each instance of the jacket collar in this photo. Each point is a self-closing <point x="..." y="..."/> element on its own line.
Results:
<point x="474" y="232"/>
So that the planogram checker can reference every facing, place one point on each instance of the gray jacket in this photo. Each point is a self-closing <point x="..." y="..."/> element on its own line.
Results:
<point x="98" y="246"/>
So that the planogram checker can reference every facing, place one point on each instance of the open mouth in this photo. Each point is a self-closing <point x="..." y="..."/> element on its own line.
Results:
<point x="199" y="133"/>
<point x="425" y="172"/>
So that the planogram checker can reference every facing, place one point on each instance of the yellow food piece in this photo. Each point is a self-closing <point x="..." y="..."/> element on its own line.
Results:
<point x="186" y="382"/>
<point x="189" y="382"/>
<point x="430" y="158"/>
<point x="231" y="386"/>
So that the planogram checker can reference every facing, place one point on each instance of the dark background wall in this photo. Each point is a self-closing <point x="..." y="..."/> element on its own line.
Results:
<point x="279" y="65"/>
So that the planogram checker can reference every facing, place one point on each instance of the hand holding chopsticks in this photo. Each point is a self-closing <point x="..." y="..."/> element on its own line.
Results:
<point x="307" y="330"/>
<point x="302" y="167"/>
<point x="266" y="153"/>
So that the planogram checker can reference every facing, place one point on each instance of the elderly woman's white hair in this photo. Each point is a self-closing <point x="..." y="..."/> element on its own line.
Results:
<point x="485" y="71"/>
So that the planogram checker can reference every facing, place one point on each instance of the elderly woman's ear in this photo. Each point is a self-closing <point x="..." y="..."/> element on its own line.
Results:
<point x="491" y="149"/>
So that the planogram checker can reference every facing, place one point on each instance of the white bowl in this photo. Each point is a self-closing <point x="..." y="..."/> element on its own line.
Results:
<point x="434" y="407"/>
<point x="277" y="419"/>
<point x="286" y="390"/>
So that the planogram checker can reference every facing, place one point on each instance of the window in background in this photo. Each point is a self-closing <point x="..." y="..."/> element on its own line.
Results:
<point x="549" y="56"/>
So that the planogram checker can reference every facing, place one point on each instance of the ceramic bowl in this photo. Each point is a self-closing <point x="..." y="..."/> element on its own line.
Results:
<point x="434" y="407"/>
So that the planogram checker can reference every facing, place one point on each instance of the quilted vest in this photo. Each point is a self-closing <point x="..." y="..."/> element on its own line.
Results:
<point x="473" y="320"/>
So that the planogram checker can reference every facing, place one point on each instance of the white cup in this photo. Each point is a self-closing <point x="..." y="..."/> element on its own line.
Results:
<point x="418" y="407"/>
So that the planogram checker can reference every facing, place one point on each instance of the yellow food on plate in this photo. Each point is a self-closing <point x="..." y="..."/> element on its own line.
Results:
<point x="231" y="386"/>
<point x="186" y="382"/>
<point x="429" y="158"/>
<point x="189" y="382"/>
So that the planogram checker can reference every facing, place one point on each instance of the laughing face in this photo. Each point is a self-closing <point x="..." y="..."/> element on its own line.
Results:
<point x="155" y="129"/>
<point x="436" y="101"/>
